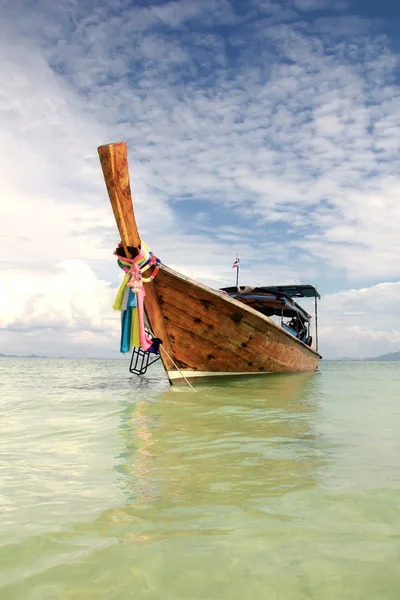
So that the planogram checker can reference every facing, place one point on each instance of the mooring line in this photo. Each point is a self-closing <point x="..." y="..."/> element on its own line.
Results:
<point x="177" y="368"/>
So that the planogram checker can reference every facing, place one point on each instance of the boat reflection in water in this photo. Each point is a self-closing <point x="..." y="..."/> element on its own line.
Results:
<point x="198" y="457"/>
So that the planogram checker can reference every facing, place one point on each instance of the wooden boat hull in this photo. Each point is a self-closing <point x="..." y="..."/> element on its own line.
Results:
<point x="206" y="333"/>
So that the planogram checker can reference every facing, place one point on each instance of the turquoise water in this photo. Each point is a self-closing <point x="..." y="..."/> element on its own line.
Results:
<point x="282" y="487"/>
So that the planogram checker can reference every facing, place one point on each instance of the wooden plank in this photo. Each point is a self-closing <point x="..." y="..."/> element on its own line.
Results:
<point x="215" y="306"/>
<point x="225" y="304"/>
<point x="216" y="353"/>
<point x="208" y="333"/>
<point x="157" y="324"/>
<point x="114" y="162"/>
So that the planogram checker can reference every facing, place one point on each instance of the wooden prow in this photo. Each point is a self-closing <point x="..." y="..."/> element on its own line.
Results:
<point x="114" y="162"/>
<point x="200" y="329"/>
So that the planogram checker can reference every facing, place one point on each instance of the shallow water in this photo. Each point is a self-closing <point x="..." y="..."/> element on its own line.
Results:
<point x="281" y="487"/>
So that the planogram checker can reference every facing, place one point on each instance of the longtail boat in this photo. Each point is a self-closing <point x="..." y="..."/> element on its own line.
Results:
<point x="198" y="331"/>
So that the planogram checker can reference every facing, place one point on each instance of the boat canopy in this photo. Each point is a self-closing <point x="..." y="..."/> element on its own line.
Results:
<point x="274" y="300"/>
<point x="295" y="291"/>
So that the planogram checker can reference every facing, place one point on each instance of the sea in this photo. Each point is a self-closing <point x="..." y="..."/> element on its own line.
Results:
<point x="274" y="487"/>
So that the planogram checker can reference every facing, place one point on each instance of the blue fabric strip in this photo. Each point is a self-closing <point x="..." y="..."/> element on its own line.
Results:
<point x="132" y="299"/>
<point x="126" y="320"/>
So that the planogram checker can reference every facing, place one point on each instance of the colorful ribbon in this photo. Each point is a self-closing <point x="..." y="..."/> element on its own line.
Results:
<point x="130" y="299"/>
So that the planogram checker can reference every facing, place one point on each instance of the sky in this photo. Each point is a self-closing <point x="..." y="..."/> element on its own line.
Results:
<point x="267" y="128"/>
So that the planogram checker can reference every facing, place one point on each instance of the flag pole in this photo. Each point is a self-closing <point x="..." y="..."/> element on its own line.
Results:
<point x="236" y="266"/>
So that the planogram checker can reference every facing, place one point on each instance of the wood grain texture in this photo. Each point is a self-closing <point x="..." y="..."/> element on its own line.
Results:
<point x="209" y="331"/>
<point x="202" y="329"/>
<point x="114" y="162"/>
<point x="157" y="324"/>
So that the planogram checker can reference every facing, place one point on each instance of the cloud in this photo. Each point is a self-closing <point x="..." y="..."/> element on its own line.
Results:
<point x="293" y="123"/>
<point x="361" y="323"/>
<point x="262" y="130"/>
<point x="68" y="297"/>
<point x="62" y="309"/>
<point x="311" y="5"/>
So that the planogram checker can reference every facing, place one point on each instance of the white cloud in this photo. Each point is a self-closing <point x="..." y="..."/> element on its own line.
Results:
<point x="361" y="322"/>
<point x="61" y="309"/>
<point x="310" y="5"/>
<point x="288" y="130"/>
<point x="271" y="141"/>
<point x="68" y="297"/>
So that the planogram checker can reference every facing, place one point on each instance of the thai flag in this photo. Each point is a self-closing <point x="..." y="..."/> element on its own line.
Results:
<point x="236" y="263"/>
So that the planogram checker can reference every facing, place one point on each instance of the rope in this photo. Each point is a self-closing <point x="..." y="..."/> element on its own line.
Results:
<point x="178" y="369"/>
<point x="174" y="363"/>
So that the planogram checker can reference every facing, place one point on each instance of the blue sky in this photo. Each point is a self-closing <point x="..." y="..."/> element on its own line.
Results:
<point x="267" y="128"/>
